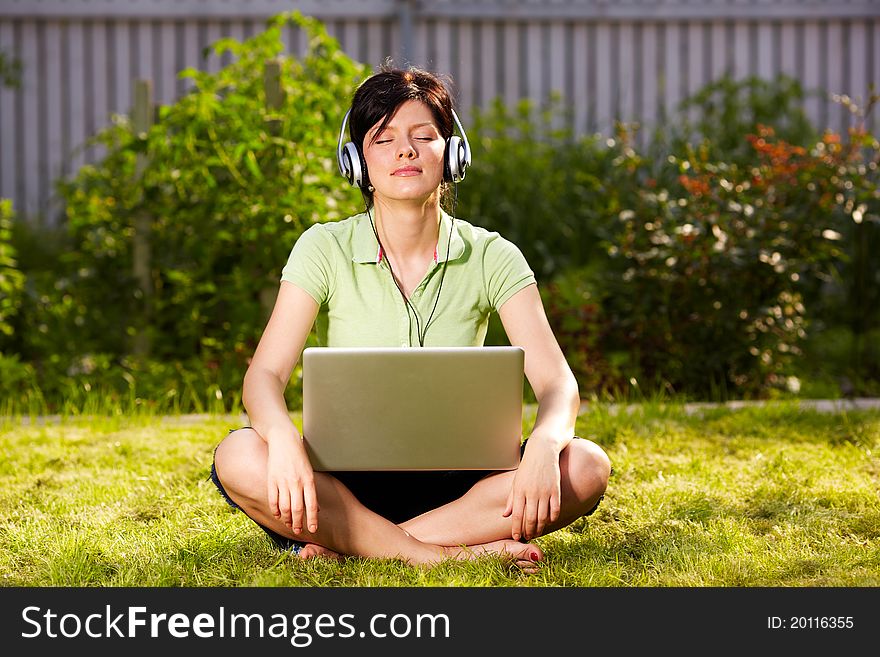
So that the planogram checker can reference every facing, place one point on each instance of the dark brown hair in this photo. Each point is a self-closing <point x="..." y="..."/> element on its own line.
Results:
<point x="379" y="96"/>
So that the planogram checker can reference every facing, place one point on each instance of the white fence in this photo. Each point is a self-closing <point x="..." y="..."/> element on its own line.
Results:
<point x="632" y="60"/>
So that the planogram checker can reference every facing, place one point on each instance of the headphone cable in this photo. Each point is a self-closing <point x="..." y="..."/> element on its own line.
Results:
<point x="409" y="307"/>
<point x="394" y="278"/>
<point x="445" y="262"/>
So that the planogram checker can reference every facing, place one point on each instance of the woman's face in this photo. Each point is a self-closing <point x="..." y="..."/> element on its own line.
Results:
<point x="405" y="160"/>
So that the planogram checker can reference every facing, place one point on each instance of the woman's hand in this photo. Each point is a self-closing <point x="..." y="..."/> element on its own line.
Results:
<point x="291" y="484"/>
<point x="534" y="498"/>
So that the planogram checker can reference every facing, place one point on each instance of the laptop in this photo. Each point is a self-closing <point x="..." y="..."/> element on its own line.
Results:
<point x="422" y="408"/>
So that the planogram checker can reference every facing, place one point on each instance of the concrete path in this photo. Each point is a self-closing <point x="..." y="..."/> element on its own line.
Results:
<point x="821" y="405"/>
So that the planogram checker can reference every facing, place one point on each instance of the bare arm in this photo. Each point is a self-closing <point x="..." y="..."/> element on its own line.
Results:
<point x="276" y="355"/>
<point x="548" y="372"/>
<point x="535" y="497"/>
<point x="290" y="479"/>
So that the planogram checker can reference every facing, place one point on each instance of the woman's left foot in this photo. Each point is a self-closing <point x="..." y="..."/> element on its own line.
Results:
<point x="526" y="556"/>
<point x="312" y="550"/>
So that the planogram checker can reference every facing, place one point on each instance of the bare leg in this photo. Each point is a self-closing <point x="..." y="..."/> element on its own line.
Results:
<point x="345" y="526"/>
<point x="475" y="518"/>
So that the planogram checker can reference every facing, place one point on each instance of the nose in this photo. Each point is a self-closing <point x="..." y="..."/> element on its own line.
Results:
<point x="406" y="151"/>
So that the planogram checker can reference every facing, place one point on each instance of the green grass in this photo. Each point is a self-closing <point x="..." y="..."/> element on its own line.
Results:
<point x="768" y="496"/>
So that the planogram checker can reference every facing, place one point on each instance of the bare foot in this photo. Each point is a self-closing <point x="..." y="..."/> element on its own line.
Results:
<point x="312" y="550"/>
<point x="524" y="555"/>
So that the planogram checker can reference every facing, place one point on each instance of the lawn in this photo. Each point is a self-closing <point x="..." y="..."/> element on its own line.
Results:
<point x="776" y="495"/>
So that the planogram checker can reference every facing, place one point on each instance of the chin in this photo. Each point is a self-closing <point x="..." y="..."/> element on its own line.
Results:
<point x="414" y="193"/>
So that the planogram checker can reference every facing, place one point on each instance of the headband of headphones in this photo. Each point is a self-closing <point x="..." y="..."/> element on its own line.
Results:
<point x="353" y="167"/>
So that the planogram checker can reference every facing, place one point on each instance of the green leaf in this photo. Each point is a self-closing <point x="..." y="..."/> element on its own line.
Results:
<point x="251" y="161"/>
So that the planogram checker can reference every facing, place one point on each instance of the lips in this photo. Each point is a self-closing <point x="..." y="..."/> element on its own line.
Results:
<point x="407" y="171"/>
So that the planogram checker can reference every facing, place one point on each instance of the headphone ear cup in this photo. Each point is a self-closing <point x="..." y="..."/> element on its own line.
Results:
<point x="455" y="159"/>
<point x="352" y="165"/>
<point x="365" y="174"/>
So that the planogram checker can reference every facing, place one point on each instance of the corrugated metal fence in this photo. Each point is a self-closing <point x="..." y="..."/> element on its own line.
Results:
<point x="632" y="60"/>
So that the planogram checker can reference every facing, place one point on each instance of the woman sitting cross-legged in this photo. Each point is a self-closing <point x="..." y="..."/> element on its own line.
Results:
<point x="404" y="268"/>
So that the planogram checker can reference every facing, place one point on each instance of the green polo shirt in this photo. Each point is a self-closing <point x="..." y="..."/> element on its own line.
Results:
<point x="340" y="266"/>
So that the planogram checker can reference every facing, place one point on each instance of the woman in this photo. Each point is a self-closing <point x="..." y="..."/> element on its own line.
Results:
<point x="379" y="277"/>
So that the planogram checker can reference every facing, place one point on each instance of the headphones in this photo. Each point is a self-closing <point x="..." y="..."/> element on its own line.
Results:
<point x="353" y="167"/>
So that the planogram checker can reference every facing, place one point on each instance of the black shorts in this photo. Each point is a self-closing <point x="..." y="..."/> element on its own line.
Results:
<point x="397" y="496"/>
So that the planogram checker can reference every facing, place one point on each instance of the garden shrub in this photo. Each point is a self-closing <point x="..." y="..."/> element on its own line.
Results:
<point x="702" y="264"/>
<point x="17" y="378"/>
<point x="11" y="277"/>
<point x="728" y="109"/>
<point x="699" y="264"/>
<point x="19" y="386"/>
<point x="229" y="184"/>
<point x="845" y="301"/>
<point x="575" y="310"/>
<point x="707" y="280"/>
<point x="538" y="186"/>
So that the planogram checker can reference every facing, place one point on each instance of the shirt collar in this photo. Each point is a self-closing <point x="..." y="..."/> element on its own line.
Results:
<point x="366" y="250"/>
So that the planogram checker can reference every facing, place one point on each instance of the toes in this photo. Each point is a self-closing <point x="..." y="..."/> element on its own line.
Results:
<point x="534" y="553"/>
<point x="528" y="559"/>
<point x="527" y="567"/>
<point x="311" y="550"/>
<point x="528" y="552"/>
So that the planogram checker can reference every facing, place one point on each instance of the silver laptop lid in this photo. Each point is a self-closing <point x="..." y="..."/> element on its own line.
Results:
<point x="400" y="408"/>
